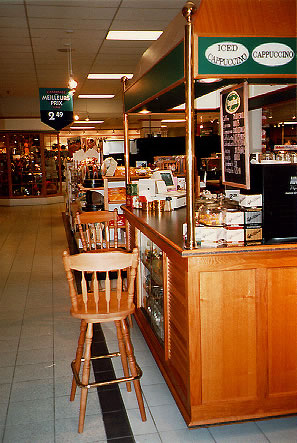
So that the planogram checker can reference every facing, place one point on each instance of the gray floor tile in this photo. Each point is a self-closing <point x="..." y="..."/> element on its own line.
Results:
<point x="4" y="393"/>
<point x="6" y="374"/>
<point x="151" y="375"/>
<point x="129" y="398"/>
<point x="9" y="345"/>
<point x="238" y="433"/>
<point x="64" y="408"/>
<point x="40" y="432"/>
<point x="62" y="368"/>
<point x="187" y="436"/>
<point x="66" y="430"/>
<point x="25" y="412"/>
<point x="38" y="342"/>
<point x="62" y="386"/>
<point x="138" y="426"/>
<point x="157" y="395"/>
<point x="33" y="356"/>
<point x="280" y="430"/>
<point x="3" y="413"/>
<point x="149" y="438"/>
<point x="167" y="418"/>
<point x="38" y="371"/>
<point x="37" y="328"/>
<point x="7" y="358"/>
<point x="32" y="390"/>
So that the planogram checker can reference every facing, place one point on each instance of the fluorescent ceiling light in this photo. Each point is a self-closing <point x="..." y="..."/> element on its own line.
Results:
<point x="208" y="80"/>
<point x="177" y="120"/>
<point x="96" y="96"/>
<point x="89" y="121"/>
<point x="290" y="123"/>
<point x="82" y="127"/>
<point x="108" y="76"/>
<point x="133" y="35"/>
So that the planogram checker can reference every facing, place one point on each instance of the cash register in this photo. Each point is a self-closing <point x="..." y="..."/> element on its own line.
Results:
<point x="165" y="187"/>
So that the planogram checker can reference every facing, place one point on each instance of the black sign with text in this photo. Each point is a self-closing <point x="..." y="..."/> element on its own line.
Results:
<point x="56" y="107"/>
<point x="234" y="137"/>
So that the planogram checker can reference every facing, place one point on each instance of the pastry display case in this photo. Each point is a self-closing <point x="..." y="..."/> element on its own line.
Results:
<point x="151" y="285"/>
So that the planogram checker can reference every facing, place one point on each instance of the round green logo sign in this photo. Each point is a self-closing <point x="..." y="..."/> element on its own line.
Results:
<point x="232" y="102"/>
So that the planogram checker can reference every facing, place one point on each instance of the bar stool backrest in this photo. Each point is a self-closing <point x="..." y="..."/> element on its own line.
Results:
<point x="98" y="229"/>
<point x="91" y="301"/>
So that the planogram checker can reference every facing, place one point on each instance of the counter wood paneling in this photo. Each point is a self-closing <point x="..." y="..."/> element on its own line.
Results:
<point x="230" y="327"/>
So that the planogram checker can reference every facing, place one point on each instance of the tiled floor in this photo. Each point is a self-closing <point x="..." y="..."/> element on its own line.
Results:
<point x="37" y="342"/>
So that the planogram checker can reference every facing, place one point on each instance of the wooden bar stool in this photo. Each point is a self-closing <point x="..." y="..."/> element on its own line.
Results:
<point x="103" y="304"/>
<point x="100" y="230"/>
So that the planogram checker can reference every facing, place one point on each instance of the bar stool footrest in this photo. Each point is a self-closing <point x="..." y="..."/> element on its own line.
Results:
<point x="108" y="382"/>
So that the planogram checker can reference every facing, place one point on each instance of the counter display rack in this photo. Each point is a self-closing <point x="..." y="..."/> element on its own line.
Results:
<point x="151" y="285"/>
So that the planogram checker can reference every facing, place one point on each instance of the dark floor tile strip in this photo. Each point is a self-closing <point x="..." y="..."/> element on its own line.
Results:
<point x="116" y="422"/>
<point x="113" y="409"/>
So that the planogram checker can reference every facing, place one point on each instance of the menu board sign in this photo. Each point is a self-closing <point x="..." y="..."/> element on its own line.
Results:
<point x="234" y="136"/>
<point x="246" y="55"/>
<point x="56" y="107"/>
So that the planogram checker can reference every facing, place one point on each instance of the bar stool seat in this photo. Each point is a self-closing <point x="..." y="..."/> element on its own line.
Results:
<point x="106" y="302"/>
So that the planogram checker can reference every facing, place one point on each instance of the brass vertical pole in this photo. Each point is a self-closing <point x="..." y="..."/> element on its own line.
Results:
<point x="188" y="11"/>
<point x="59" y="163"/>
<point x="126" y="136"/>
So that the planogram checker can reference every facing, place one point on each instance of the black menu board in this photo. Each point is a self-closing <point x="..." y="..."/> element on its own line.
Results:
<point x="234" y="136"/>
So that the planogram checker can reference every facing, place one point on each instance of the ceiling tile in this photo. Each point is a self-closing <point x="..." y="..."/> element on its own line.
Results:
<point x="146" y="14"/>
<point x="65" y="23"/>
<point x="138" y="25"/>
<point x="75" y="12"/>
<point x="154" y="4"/>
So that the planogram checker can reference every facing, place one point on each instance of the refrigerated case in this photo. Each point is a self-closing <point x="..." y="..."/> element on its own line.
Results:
<point x="277" y="182"/>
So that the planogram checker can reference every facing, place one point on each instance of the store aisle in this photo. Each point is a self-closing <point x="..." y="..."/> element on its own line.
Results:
<point x="37" y="342"/>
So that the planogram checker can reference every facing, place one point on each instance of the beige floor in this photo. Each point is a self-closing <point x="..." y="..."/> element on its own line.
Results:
<point x="37" y="342"/>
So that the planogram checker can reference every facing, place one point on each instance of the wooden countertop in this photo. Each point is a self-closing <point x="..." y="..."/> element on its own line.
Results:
<point x="168" y="228"/>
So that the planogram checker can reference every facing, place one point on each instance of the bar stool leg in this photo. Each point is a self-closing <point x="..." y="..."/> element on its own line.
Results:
<point x="132" y="364"/>
<point x="79" y="353"/>
<point x="85" y="377"/>
<point x="122" y="349"/>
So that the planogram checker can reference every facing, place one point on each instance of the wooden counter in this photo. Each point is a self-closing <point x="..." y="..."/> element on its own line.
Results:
<point x="230" y="316"/>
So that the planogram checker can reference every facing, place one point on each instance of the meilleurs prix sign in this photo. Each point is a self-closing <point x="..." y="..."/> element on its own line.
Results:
<point x="246" y="55"/>
<point x="56" y="107"/>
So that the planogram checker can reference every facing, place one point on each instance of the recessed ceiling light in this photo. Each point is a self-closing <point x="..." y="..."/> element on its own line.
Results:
<point x="144" y="111"/>
<point x="82" y="127"/>
<point x="177" y="120"/>
<point x="96" y="96"/>
<point x="89" y="121"/>
<point x="108" y="76"/>
<point x="133" y="35"/>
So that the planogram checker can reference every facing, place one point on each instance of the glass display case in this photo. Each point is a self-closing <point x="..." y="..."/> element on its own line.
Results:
<point x="151" y="285"/>
<point x="4" y="185"/>
<point x="29" y="168"/>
